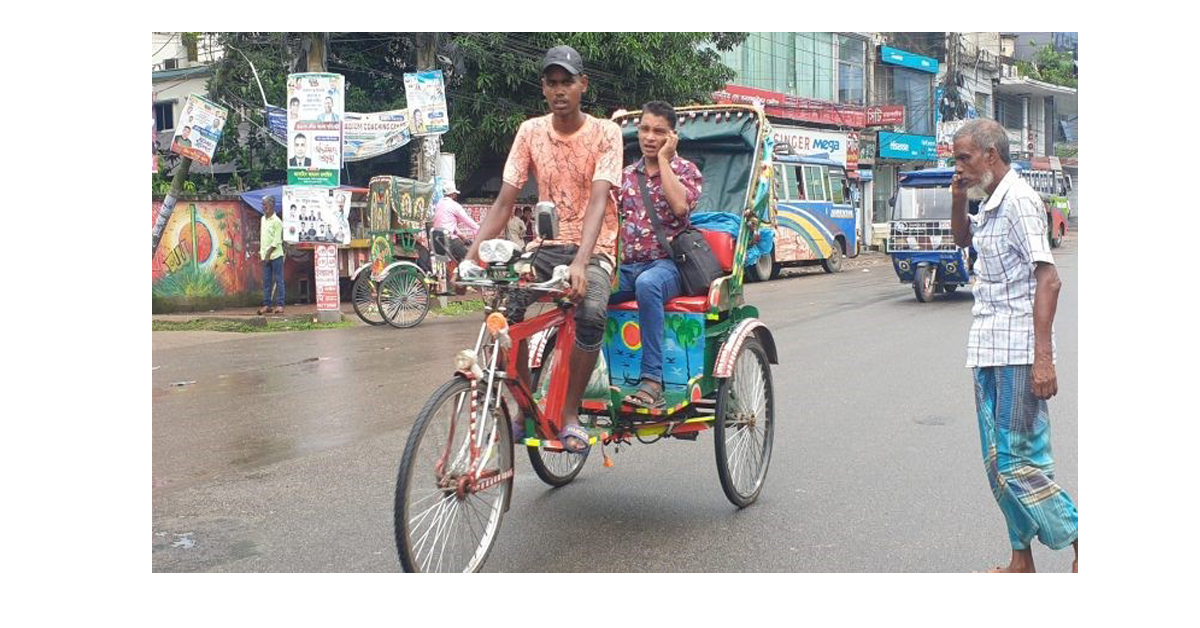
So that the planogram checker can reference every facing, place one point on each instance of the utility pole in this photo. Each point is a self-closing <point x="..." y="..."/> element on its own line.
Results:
<point x="168" y="206"/>
<point x="316" y="60"/>
<point x="427" y="159"/>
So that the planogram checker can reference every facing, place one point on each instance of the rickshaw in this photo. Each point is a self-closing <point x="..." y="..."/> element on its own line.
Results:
<point x="455" y="479"/>
<point x="920" y="241"/>
<point x="409" y="261"/>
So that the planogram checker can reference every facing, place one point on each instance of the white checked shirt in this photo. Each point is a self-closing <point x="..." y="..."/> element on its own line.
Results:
<point x="1009" y="235"/>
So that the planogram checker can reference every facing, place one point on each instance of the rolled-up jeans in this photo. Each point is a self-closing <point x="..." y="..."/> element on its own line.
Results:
<point x="273" y="278"/>
<point x="652" y="284"/>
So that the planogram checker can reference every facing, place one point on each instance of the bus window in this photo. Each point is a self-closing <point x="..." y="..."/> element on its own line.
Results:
<point x="836" y="190"/>
<point x="780" y="192"/>
<point x="814" y="183"/>
<point x="785" y="182"/>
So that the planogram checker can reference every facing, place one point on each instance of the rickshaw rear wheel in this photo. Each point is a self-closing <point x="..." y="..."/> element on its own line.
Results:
<point x="923" y="285"/>
<point x="439" y="526"/>
<point x="745" y="425"/>
<point x="403" y="297"/>
<point x="556" y="468"/>
<point x="366" y="306"/>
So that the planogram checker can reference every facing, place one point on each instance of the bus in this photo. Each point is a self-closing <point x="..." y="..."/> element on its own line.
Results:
<point x="813" y="215"/>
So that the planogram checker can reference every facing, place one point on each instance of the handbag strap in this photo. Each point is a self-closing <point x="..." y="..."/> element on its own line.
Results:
<point x="652" y="212"/>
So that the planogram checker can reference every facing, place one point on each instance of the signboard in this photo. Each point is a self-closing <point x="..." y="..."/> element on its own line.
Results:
<point x="810" y="142"/>
<point x="314" y="128"/>
<point x="315" y="214"/>
<point x="907" y="59"/>
<point x="907" y="147"/>
<point x="368" y="135"/>
<point x="325" y="267"/>
<point x="277" y="119"/>
<point x="199" y="129"/>
<point x="885" y="115"/>
<point x="851" y="152"/>
<point x="867" y="149"/>
<point x="793" y="107"/>
<point x="425" y="94"/>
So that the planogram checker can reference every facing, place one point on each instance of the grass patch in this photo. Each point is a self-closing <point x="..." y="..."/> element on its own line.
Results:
<point x="260" y="325"/>
<point x="461" y="308"/>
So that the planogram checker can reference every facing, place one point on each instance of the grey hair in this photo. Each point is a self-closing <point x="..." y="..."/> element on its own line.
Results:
<point x="986" y="134"/>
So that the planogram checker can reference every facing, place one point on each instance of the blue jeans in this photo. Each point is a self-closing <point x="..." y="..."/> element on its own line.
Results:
<point x="652" y="284"/>
<point x="273" y="277"/>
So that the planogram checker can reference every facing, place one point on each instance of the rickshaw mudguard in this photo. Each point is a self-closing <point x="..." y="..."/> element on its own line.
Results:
<point x="732" y="346"/>
<point x="394" y="265"/>
<point x="354" y="275"/>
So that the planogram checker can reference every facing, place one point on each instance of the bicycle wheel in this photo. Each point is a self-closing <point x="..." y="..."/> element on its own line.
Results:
<point x="745" y="425"/>
<point x="366" y="306"/>
<point x="403" y="297"/>
<point x="556" y="468"/>
<point x="442" y="522"/>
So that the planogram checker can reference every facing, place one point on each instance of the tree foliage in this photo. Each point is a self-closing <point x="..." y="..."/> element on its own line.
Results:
<point x="492" y="82"/>
<point x="1051" y="66"/>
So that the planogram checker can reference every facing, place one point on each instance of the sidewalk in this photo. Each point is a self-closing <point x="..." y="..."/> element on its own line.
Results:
<point x="298" y="311"/>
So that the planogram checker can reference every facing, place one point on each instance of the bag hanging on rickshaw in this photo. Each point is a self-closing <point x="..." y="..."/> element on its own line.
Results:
<point x="698" y="266"/>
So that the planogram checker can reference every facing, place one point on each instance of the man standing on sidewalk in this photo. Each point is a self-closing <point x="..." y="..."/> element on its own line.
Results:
<point x="1011" y="342"/>
<point x="270" y="249"/>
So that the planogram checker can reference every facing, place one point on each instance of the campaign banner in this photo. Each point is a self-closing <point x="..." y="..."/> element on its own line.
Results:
<point x="315" y="214"/>
<point x="316" y="104"/>
<point x="199" y="129"/>
<point x="325" y="267"/>
<point x="425" y="93"/>
<point x="809" y="142"/>
<point x="369" y="135"/>
<point x="945" y="137"/>
<point x="276" y="118"/>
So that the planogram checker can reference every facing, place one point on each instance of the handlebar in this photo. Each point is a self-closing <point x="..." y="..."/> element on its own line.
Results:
<point x="471" y="275"/>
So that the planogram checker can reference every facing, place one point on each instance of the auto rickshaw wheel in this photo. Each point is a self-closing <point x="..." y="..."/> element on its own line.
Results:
<point x="763" y="269"/>
<point x="923" y="284"/>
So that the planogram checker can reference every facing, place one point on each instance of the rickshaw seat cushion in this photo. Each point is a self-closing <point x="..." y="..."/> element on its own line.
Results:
<point x="695" y="305"/>
<point x="721" y="243"/>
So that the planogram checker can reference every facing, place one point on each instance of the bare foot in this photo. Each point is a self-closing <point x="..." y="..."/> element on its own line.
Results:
<point x="1022" y="562"/>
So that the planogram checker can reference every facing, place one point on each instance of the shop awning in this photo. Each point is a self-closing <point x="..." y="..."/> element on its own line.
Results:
<point x="254" y="198"/>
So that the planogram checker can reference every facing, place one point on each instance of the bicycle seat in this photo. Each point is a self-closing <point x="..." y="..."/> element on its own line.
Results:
<point x="441" y="244"/>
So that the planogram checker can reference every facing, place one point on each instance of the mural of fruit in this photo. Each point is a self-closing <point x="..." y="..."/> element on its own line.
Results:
<point x="204" y="241"/>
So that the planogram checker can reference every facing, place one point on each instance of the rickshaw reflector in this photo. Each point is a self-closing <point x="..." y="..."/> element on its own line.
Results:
<point x="496" y="323"/>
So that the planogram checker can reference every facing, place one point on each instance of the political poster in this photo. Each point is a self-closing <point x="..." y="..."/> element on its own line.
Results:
<point x="426" y="96"/>
<point x="199" y="129"/>
<point x="315" y="214"/>
<point x="277" y="118"/>
<point x="316" y="104"/>
<point x="369" y="135"/>
<point x="325" y="260"/>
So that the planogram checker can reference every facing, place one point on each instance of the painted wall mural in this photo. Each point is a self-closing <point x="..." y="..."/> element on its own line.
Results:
<point x="203" y="256"/>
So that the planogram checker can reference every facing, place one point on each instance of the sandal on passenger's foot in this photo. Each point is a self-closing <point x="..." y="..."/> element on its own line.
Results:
<point x="577" y="432"/>
<point x="649" y="394"/>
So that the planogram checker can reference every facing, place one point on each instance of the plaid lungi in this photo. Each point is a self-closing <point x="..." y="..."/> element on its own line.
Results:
<point x="1014" y="430"/>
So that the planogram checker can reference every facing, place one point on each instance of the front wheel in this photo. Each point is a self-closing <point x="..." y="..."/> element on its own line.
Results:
<point x="366" y="305"/>
<point x="403" y="297"/>
<point x="745" y="425"/>
<point x="763" y="269"/>
<point x="446" y="519"/>
<point x="923" y="284"/>
<point x="834" y="263"/>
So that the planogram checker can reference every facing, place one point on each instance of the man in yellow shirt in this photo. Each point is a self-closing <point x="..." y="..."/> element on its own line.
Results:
<point x="270" y="249"/>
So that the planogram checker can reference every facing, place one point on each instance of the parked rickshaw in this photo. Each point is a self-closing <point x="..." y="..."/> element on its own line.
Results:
<point x="920" y="241"/>
<point x="456" y="473"/>
<point x="409" y="260"/>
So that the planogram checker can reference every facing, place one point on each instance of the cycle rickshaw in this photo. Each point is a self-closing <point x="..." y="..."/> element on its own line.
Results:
<point x="456" y="473"/>
<point x="409" y="261"/>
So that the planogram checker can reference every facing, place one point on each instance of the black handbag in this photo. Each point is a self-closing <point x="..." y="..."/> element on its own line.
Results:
<point x="697" y="265"/>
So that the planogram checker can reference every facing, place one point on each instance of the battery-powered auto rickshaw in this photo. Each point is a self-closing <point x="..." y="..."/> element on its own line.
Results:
<point x="920" y="241"/>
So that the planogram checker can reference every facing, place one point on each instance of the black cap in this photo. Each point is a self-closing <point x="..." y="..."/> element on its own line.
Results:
<point x="565" y="56"/>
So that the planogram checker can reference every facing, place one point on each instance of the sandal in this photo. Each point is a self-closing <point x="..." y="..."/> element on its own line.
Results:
<point x="579" y="433"/>
<point x="649" y="394"/>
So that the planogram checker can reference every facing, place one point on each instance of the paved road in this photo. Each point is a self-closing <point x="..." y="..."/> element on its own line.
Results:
<point x="282" y="455"/>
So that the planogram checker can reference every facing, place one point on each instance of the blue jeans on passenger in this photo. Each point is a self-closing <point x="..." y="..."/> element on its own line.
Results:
<point x="273" y="277"/>
<point x="652" y="284"/>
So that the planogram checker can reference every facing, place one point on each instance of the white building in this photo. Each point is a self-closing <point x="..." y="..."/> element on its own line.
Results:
<point x="180" y="65"/>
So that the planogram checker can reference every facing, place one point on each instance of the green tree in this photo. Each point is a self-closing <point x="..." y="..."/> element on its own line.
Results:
<point x="1051" y="66"/>
<point x="492" y="82"/>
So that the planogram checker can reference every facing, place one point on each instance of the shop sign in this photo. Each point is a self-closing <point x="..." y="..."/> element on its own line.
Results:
<point x="867" y="149"/>
<point x="809" y="142"/>
<point x="895" y="56"/>
<point x="907" y="147"/>
<point x="368" y="135"/>
<point x="885" y="115"/>
<point x="793" y="107"/>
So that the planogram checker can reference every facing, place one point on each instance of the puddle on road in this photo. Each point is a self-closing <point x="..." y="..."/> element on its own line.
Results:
<point x="184" y="541"/>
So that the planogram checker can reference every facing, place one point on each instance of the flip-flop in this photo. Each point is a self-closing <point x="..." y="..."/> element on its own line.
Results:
<point x="579" y="433"/>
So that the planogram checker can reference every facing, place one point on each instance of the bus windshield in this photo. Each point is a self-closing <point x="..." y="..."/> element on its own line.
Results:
<point x="932" y="203"/>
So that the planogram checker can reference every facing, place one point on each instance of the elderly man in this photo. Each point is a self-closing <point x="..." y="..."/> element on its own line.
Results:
<point x="1011" y="342"/>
